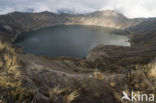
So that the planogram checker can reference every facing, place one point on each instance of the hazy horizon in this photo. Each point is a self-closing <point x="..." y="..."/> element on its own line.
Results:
<point x="129" y="8"/>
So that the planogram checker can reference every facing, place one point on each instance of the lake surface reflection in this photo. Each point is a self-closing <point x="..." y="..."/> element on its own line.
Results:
<point x="74" y="41"/>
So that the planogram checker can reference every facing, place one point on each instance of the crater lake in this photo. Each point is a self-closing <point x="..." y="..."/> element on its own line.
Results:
<point x="69" y="40"/>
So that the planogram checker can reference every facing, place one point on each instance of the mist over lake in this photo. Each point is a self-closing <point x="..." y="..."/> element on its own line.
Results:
<point x="73" y="40"/>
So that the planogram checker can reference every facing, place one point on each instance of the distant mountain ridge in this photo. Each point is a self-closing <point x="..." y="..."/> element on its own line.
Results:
<point x="17" y="22"/>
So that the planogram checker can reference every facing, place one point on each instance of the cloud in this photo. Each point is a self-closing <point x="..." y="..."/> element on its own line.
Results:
<point x="130" y="8"/>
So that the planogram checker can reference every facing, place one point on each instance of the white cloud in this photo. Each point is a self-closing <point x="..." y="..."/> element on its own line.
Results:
<point x="130" y="8"/>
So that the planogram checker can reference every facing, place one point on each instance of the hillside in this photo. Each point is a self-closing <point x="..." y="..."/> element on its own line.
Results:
<point x="15" y="23"/>
<point x="100" y="77"/>
<point x="144" y="34"/>
<point x="30" y="79"/>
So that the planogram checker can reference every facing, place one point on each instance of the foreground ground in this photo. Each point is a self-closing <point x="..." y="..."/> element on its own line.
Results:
<point x="25" y="78"/>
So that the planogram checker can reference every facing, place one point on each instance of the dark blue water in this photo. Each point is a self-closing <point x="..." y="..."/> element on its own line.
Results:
<point x="74" y="41"/>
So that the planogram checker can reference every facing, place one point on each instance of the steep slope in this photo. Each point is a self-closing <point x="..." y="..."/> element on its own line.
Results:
<point x="144" y="34"/>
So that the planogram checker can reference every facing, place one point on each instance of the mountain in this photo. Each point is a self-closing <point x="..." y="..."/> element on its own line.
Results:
<point x="17" y="22"/>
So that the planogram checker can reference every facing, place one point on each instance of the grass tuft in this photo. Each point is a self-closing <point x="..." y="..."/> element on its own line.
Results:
<point x="71" y="97"/>
<point x="152" y="71"/>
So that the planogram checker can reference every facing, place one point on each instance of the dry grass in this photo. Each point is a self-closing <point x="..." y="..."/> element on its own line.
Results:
<point x="71" y="97"/>
<point x="18" y="90"/>
<point x="10" y="74"/>
<point x="8" y="64"/>
<point x="8" y="58"/>
<point x="152" y="71"/>
<point x="98" y="75"/>
<point x="65" y="95"/>
<point x="112" y="84"/>
<point x="10" y="80"/>
<point x="55" y="91"/>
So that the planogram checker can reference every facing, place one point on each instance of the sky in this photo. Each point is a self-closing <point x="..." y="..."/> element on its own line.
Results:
<point x="129" y="8"/>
